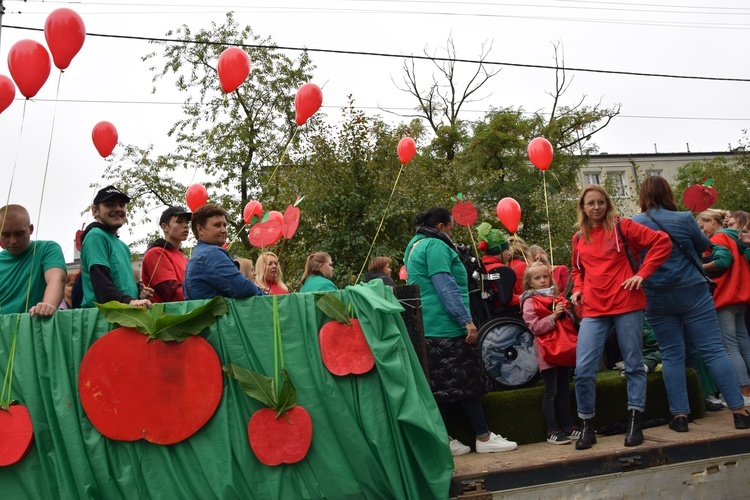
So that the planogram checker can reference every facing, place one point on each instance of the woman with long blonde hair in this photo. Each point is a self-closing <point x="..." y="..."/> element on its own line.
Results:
<point x="268" y="274"/>
<point x="608" y="289"/>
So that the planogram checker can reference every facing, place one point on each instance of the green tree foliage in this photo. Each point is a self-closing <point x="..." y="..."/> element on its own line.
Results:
<point x="229" y="143"/>
<point x="346" y="173"/>
<point x="731" y="180"/>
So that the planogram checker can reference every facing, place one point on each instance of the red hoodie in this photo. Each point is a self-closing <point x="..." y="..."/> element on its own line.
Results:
<point x="601" y="266"/>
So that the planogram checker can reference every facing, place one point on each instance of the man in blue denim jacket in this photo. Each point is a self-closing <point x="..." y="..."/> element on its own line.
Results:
<point x="211" y="271"/>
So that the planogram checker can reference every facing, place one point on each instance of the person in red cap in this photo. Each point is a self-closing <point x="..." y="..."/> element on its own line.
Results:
<point x="163" y="267"/>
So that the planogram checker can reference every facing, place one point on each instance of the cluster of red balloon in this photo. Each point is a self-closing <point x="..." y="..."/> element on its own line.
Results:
<point x="28" y="60"/>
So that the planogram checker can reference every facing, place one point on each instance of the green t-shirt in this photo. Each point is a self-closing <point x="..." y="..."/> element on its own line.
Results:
<point x="424" y="258"/>
<point x="16" y="269"/>
<point x="317" y="283"/>
<point x="103" y="248"/>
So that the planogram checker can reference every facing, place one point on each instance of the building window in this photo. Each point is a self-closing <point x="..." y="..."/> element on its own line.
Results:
<point x="616" y="181"/>
<point x="654" y="172"/>
<point x="590" y="178"/>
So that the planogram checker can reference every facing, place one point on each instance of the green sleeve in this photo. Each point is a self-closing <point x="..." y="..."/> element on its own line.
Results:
<point x="53" y="256"/>
<point x="722" y="256"/>
<point x="439" y="258"/>
<point x="97" y="249"/>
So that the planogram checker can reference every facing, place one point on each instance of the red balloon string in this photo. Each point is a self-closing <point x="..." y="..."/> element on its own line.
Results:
<point x="49" y="150"/>
<point x="15" y="163"/>
<point x="381" y="223"/>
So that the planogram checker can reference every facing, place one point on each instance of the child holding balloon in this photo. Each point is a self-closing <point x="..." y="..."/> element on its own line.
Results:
<point x="546" y="312"/>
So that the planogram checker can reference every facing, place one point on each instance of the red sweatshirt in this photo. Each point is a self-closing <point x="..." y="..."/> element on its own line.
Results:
<point x="601" y="266"/>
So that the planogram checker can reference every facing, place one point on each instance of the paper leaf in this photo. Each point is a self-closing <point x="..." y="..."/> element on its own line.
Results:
<point x="333" y="307"/>
<point x="287" y="395"/>
<point x="255" y="385"/>
<point x="709" y="182"/>
<point x="139" y="318"/>
<point x="178" y="327"/>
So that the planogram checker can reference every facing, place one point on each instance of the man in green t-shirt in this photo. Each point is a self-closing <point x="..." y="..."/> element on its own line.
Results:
<point x="106" y="268"/>
<point x="32" y="273"/>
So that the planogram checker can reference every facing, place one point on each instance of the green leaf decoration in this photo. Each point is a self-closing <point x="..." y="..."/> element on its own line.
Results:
<point x="265" y="216"/>
<point x="255" y="385"/>
<point x="484" y="229"/>
<point x="299" y="200"/>
<point x="709" y="182"/>
<point x="287" y="395"/>
<point x="253" y="220"/>
<point x="333" y="307"/>
<point x="179" y="327"/>
<point x="453" y="199"/>
<point x="170" y="327"/>
<point x="139" y="318"/>
<point x="460" y="196"/>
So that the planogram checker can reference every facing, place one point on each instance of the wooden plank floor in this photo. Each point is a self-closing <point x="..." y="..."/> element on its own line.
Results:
<point x="715" y="426"/>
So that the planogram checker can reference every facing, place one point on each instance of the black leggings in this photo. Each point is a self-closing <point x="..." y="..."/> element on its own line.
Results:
<point x="557" y="395"/>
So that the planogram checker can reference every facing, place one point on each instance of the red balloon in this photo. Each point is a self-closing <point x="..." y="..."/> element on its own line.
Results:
<point x="104" y="136"/>
<point x="252" y="209"/>
<point x="7" y="92"/>
<point x="509" y="213"/>
<point x="407" y="148"/>
<point x="29" y="65"/>
<point x="307" y="102"/>
<point x="196" y="196"/>
<point x="233" y="68"/>
<point x="65" y="32"/>
<point x="402" y="274"/>
<point x="540" y="153"/>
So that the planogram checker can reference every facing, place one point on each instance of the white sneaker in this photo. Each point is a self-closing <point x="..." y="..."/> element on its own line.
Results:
<point x="494" y="444"/>
<point x="458" y="448"/>
<point x="713" y="399"/>
<point x="747" y="400"/>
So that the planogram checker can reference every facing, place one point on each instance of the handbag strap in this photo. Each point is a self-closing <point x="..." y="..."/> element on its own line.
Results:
<point x="679" y="245"/>
<point x="631" y="258"/>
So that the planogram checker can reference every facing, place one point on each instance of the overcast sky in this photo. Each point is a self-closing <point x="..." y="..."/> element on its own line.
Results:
<point x="108" y="81"/>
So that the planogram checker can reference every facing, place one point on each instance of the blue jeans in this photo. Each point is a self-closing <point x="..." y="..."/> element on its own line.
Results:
<point x="591" y="337"/>
<point x="686" y="316"/>
<point x="736" y="340"/>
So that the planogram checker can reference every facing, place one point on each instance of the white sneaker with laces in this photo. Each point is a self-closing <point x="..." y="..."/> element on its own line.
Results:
<point x="495" y="444"/>
<point x="458" y="448"/>
<point x="713" y="399"/>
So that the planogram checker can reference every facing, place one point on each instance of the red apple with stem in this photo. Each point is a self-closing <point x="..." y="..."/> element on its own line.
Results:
<point x="464" y="212"/>
<point x="281" y="433"/>
<point x="134" y="386"/>
<point x="343" y="346"/>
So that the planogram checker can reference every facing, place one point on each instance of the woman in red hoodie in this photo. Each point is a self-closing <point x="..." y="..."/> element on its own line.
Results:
<point x="607" y="285"/>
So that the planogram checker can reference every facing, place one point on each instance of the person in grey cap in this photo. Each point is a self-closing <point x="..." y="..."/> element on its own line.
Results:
<point x="163" y="267"/>
<point x="106" y="269"/>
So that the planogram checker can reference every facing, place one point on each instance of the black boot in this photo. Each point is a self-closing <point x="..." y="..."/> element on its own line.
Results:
<point x="634" y="437"/>
<point x="588" y="436"/>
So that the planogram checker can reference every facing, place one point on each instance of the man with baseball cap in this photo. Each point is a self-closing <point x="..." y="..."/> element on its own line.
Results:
<point x="164" y="263"/>
<point x="32" y="274"/>
<point x="106" y="268"/>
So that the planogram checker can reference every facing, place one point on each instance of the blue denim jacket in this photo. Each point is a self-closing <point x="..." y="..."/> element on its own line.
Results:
<point x="677" y="270"/>
<point x="211" y="272"/>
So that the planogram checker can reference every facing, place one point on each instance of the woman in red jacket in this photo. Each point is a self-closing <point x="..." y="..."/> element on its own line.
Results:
<point x="608" y="287"/>
<point x="732" y="275"/>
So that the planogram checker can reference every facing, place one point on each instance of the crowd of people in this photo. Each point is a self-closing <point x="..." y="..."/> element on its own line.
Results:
<point x="658" y="268"/>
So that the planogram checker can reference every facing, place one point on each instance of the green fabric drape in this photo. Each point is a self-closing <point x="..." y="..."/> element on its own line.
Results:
<point x="378" y="435"/>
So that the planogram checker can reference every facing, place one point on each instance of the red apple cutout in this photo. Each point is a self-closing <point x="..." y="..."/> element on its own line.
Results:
<point x="281" y="433"/>
<point x="343" y="346"/>
<point x="290" y="222"/>
<point x="16" y="434"/>
<point x="282" y="440"/>
<point x="699" y="197"/>
<point x="162" y="388"/>
<point x="464" y="212"/>
<point x="268" y="232"/>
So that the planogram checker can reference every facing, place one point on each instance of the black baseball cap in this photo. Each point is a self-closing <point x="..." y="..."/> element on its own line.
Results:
<point x="109" y="193"/>
<point x="171" y="211"/>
